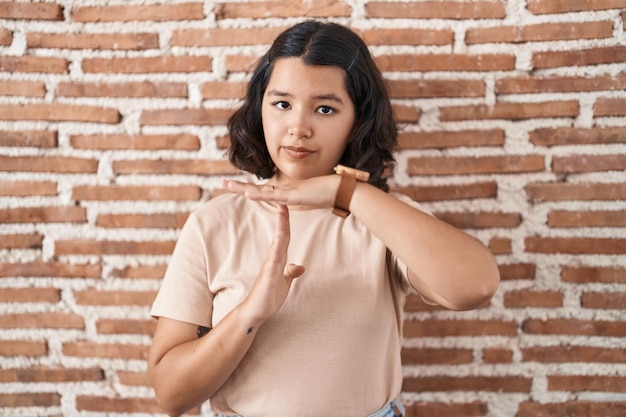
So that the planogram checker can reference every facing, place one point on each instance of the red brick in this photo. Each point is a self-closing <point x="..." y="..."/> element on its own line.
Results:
<point x="474" y="409"/>
<point x="114" y="41"/>
<point x="42" y="321"/>
<point x="113" y="247"/>
<point x="603" y="300"/>
<point x="572" y="409"/>
<point x="21" y="241"/>
<point x="588" y="163"/>
<point x="446" y="328"/>
<point x="133" y="378"/>
<point x="29" y="138"/>
<point x="576" y="136"/>
<point x="118" y="405"/>
<point x="575" y="245"/>
<point x="572" y="354"/>
<point x="223" y="90"/>
<point x="586" y="383"/>
<point x="47" y="374"/>
<point x="155" y="12"/>
<point x="500" y="245"/>
<point x="23" y="348"/>
<point x="558" y="191"/>
<point x="179" y="166"/>
<point x="449" y="139"/>
<point x="106" y="350"/>
<point x="30" y="295"/>
<point x="575" y="327"/>
<point x="517" y="271"/>
<point x="112" y="326"/>
<point x="39" y="399"/>
<point x="415" y="303"/>
<point x="33" y="64"/>
<point x="540" y="32"/>
<point x="610" y="107"/>
<point x="509" y="111"/>
<point x="141" y="272"/>
<point x="413" y="36"/>
<point x="128" y="89"/>
<point x="579" y="58"/>
<point x="136" y="192"/>
<point x="436" y="10"/>
<point x="558" y="84"/>
<point x="467" y="383"/>
<point x="481" y="220"/>
<point x="440" y="356"/>
<point x="445" y="62"/>
<point x="178" y="117"/>
<point x="241" y="63"/>
<point x="30" y="11"/>
<point x="58" y="112"/>
<point x="222" y="142"/>
<point x="70" y="214"/>
<point x="564" y="218"/>
<point x="405" y="114"/>
<point x="435" y="88"/>
<point x="450" y="192"/>
<point x="585" y="274"/>
<point x="152" y="220"/>
<point x="566" y="6"/>
<point x="183" y="141"/>
<point x="48" y="164"/>
<point x="533" y="298"/>
<point x="275" y="9"/>
<point x="50" y="269"/>
<point x="23" y="89"/>
<point x="497" y="355"/>
<point x="224" y="37"/>
<point x="27" y="188"/>
<point x="6" y="37"/>
<point x="142" y="65"/>
<point x="114" y="298"/>
<point x="475" y="165"/>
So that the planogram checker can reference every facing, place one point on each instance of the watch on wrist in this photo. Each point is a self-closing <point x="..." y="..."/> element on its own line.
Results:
<point x="349" y="177"/>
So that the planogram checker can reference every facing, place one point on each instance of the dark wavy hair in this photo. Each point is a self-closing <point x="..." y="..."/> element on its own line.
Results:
<point x="374" y="133"/>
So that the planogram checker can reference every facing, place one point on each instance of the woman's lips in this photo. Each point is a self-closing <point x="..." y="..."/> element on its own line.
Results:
<point x="297" y="153"/>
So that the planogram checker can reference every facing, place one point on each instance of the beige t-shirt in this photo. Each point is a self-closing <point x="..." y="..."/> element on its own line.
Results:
<point x="334" y="346"/>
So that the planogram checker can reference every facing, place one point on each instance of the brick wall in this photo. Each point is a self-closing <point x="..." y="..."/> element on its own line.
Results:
<point x="514" y="129"/>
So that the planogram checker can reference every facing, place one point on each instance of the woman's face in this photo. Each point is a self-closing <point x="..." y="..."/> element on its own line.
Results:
<point x="307" y="116"/>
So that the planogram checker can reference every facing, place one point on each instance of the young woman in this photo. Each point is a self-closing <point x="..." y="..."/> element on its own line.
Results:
<point x="285" y="299"/>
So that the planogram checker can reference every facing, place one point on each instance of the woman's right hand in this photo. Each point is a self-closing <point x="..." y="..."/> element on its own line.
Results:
<point x="274" y="280"/>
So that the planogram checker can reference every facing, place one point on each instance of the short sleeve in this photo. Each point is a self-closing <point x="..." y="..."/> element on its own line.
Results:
<point x="184" y="294"/>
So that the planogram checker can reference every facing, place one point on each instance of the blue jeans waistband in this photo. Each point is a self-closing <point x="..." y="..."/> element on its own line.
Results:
<point x="393" y="409"/>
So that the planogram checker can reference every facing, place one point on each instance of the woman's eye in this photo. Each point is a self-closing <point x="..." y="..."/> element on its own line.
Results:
<point x="282" y="105"/>
<point x="325" y="110"/>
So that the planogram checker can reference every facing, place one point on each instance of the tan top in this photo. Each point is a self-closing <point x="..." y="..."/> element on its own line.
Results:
<point x="333" y="348"/>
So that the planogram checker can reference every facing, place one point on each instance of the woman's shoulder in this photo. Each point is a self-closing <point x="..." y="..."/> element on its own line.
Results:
<point x="221" y="204"/>
<point x="226" y="208"/>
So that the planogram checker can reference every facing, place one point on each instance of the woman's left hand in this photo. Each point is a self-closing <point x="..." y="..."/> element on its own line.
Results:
<point x="312" y="192"/>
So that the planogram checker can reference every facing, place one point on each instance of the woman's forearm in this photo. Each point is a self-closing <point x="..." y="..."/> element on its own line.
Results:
<point x="186" y="373"/>
<point x="445" y="264"/>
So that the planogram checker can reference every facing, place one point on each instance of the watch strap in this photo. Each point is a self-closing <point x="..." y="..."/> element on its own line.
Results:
<point x="346" y="187"/>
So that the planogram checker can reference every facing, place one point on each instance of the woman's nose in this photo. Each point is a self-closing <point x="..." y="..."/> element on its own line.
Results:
<point x="300" y="125"/>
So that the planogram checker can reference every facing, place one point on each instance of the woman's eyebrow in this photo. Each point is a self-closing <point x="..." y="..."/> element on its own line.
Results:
<point x="329" y="96"/>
